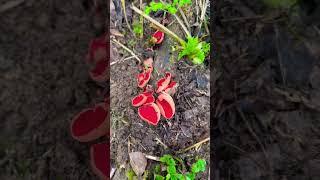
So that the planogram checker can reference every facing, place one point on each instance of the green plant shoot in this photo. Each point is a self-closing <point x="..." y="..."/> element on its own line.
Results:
<point x="195" y="50"/>
<point x="172" y="172"/>
<point x="171" y="8"/>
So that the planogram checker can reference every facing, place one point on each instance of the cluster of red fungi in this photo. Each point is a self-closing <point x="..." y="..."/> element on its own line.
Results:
<point x="151" y="108"/>
<point x="93" y="122"/>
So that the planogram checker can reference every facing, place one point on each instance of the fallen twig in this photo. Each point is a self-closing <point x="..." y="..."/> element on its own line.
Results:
<point x="163" y="28"/>
<point x="10" y="4"/>
<point x="127" y="49"/>
<point x="123" y="3"/>
<point x="122" y="60"/>
<point x="112" y="172"/>
<point x="152" y="157"/>
<point x="159" y="141"/>
<point x="196" y="145"/>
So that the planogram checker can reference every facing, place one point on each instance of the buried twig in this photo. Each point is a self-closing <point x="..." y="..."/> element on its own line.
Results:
<point x="152" y="157"/>
<point x="10" y="4"/>
<point x="160" y="26"/>
<point x="159" y="141"/>
<point x="122" y="60"/>
<point x="127" y="49"/>
<point x="112" y="172"/>
<point x="196" y="145"/>
<point x="185" y="29"/>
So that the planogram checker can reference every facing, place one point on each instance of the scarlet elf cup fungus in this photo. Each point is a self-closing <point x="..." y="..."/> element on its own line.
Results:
<point x="99" y="159"/>
<point x="150" y="113"/>
<point x="90" y="123"/>
<point x="157" y="37"/>
<point x="99" y="72"/>
<point x="148" y="110"/>
<point x="166" y="105"/>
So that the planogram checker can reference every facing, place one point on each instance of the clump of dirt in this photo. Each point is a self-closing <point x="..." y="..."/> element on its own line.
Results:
<point x="191" y="121"/>
<point x="44" y="81"/>
<point x="266" y="98"/>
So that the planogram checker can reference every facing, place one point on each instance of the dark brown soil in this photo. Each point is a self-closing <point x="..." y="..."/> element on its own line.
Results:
<point x="44" y="82"/>
<point x="266" y="100"/>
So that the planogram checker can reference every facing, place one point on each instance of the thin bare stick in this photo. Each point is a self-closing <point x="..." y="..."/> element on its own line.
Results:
<point x="141" y="21"/>
<point x="10" y="4"/>
<point x="127" y="49"/>
<point x="123" y="3"/>
<point x="184" y="17"/>
<point x="197" y="12"/>
<point x="182" y="25"/>
<point x="180" y="22"/>
<point x="152" y="157"/>
<point x="160" y="26"/>
<point x="203" y="13"/>
<point x="159" y="141"/>
<point x="113" y="170"/>
<point x="196" y="145"/>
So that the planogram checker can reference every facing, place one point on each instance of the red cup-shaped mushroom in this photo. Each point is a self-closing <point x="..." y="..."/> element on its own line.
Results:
<point x="149" y="113"/>
<point x="146" y="77"/>
<point x="97" y="49"/>
<point x="158" y="37"/>
<point x="166" y="105"/>
<point x="139" y="100"/>
<point x="163" y="83"/>
<point x="171" y="88"/>
<point x="100" y="160"/>
<point x="91" y="123"/>
<point x="100" y="72"/>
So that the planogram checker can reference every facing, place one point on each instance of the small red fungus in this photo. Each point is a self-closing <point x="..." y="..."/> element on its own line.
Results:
<point x="150" y="97"/>
<point x="171" y="88"/>
<point x="139" y="100"/>
<point x="146" y="77"/>
<point x="100" y="71"/>
<point x="149" y="113"/>
<point x="97" y="49"/>
<point x="90" y="123"/>
<point x="163" y="83"/>
<point x="158" y="37"/>
<point x="100" y="160"/>
<point x="166" y="105"/>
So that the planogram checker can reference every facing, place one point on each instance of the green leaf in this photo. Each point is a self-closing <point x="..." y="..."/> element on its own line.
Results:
<point x="195" y="50"/>
<point x="171" y="9"/>
<point x="158" y="177"/>
<point x="200" y="165"/>
<point x="167" y="159"/>
<point x="130" y="174"/>
<point x="171" y="169"/>
<point x="190" y="176"/>
<point x="180" y="177"/>
<point x="157" y="169"/>
<point x="184" y="2"/>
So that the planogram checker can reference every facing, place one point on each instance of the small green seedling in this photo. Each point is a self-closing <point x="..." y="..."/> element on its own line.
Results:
<point x="174" y="174"/>
<point x="195" y="50"/>
<point x="171" y="8"/>
<point x="137" y="29"/>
